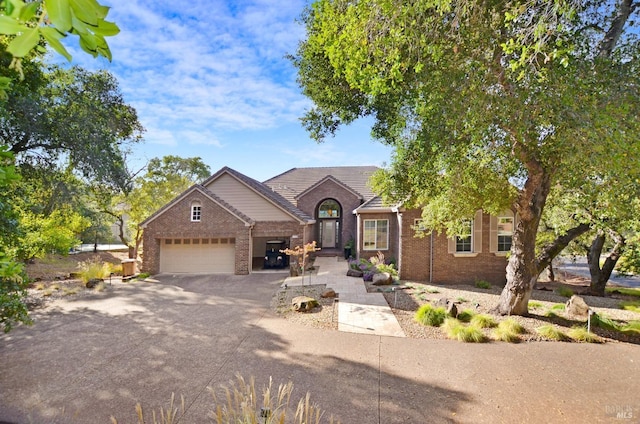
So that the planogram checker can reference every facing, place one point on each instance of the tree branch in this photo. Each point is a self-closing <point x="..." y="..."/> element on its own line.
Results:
<point x="552" y="250"/>
<point x="625" y="8"/>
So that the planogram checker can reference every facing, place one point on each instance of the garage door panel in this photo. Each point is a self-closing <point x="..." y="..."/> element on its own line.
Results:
<point x="194" y="258"/>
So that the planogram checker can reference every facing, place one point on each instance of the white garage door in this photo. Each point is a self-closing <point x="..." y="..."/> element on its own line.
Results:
<point x="216" y="255"/>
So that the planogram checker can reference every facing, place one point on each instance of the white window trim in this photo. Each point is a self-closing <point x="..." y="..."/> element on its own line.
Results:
<point x="193" y="212"/>
<point x="364" y="224"/>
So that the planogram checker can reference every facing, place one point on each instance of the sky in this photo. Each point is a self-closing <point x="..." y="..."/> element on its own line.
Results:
<point x="209" y="78"/>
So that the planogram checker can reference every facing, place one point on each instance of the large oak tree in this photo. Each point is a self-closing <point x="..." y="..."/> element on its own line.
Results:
<point x="488" y="104"/>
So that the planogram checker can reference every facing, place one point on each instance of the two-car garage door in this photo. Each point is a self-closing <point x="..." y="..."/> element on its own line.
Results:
<point x="209" y="255"/>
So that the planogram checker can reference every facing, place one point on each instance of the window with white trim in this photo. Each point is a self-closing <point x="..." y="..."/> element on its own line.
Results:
<point x="376" y="234"/>
<point x="464" y="241"/>
<point x="505" y="233"/>
<point x="196" y="212"/>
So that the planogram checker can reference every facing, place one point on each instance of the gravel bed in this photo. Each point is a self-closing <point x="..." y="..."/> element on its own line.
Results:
<point x="408" y="297"/>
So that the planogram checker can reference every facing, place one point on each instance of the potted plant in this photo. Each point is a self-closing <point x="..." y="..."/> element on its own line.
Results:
<point x="348" y="248"/>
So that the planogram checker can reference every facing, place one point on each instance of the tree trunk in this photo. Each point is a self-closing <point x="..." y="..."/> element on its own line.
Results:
<point x="522" y="271"/>
<point x="522" y="268"/>
<point x="600" y="276"/>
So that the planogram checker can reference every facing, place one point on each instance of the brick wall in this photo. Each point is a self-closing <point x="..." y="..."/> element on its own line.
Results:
<point x="447" y="268"/>
<point x="347" y="200"/>
<point x="216" y="222"/>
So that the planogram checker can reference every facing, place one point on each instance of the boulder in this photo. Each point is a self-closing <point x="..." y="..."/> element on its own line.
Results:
<point x="354" y="273"/>
<point x="303" y="303"/>
<point x="576" y="306"/>
<point x="452" y="310"/>
<point x="328" y="293"/>
<point x="443" y="302"/>
<point x="93" y="282"/>
<point x="382" y="279"/>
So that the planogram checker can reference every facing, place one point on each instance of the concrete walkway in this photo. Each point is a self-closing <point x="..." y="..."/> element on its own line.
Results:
<point x="358" y="311"/>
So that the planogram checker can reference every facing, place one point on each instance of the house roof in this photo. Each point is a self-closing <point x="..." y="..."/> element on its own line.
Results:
<point x="295" y="181"/>
<point x="205" y="192"/>
<point x="271" y="195"/>
<point x="375" y="204"/>
<point x="329" y="178"/>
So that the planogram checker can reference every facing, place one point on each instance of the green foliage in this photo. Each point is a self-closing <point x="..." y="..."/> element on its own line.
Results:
<point x="625" y="291"/>
<point x="633" y="327"/>
<point x="456" y="330"/>
<point x="466" y="315"/>
<point x="143" y="275"/>
<point x="428" y="315"/>
<point x="56" y="232"/>
<point x="602" y="321"/>
<point x="580" y="334"/>
<point x="13" y="289"/>
<point x="558" y="307"/>
<point x="508" y="331"/>
<point x="629" y="263"/>
<point x="534" y="305"/>
<point x="564" y="291"/>
<point x="27" y="25"/>
<point x="551" y="332"/>
<point x="632" y="305"/>
<point x="481" y="284"/>
<point x="483" y="321"/>
<point x="512" y="325"/>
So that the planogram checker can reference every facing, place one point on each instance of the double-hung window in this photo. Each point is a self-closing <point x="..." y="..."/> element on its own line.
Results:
<point x="505" y="233"/>
<point x="376" y="234"/>
<point x="464" y="240"/>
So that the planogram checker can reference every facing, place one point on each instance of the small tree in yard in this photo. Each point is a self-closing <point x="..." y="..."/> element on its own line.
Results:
<point x="301" y="257"/>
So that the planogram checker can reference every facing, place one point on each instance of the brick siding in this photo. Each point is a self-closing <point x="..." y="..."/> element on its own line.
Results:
<point x="448" y="269"/>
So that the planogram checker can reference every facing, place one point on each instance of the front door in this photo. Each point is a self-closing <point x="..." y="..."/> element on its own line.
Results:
<point x="328" y="231"/>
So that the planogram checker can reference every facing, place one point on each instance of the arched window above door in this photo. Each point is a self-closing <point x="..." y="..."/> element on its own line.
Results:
<point x="329" y="209"/>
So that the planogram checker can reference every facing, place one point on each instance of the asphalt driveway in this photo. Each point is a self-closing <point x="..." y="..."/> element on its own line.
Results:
<point x="88" y="359"/>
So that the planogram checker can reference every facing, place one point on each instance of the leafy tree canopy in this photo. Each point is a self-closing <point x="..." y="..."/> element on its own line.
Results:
<point x="71" y="115"/>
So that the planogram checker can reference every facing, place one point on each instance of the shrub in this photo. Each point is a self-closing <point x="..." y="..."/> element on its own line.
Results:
<point x="633" y="327"/>
<point x="143" y="275"/>
<point x="564" y="291"/>
<point x="632" y="305"/>
<point x="466" y="315"/>
<point x="551" y="314"/>
<point x="483" y="321"/>
<point x="482" y="284"/>
<point x="456" y="330"/>
<point x="580" y="334"/>
<point x="603" y="321"/>
<point x="534" y="304"/>
<point x="93" y="269"/>
<point x="387" y="268"/>
<point x="462" y="300"/>
<point x="512" y="325"/>
<point x="550" y="332"/>
<point x="508" y="331"/>
<point x="428" y="315"/>
<point x="71" y="290"/>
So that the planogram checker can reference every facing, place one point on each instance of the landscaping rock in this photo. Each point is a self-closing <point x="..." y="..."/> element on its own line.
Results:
<point x="354" y="273"/>
<point x="303" y="303"/>
<point x="452" y="310"/>
<point x="576" y="306"/>
<point x="382" y="279"/>
<point x="93" y="283"/>
<point x="328" y="293"/>
<point x="443" y="302"/>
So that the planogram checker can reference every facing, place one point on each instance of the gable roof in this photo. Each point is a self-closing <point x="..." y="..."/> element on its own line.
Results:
<point x="375" y="204"/>
<point x="263" y="190"/>
<point x="295" y="181"/>
<point x="329" y="178"/>
<point x="197" y="187"/>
